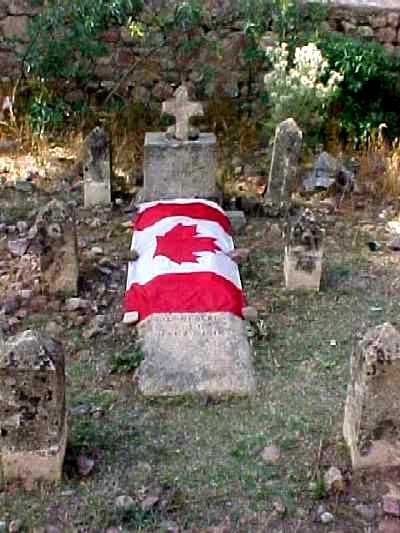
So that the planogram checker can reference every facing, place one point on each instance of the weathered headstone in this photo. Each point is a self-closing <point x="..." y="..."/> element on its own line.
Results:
<point x="282" y="175"/>
<point x="97" y="168"/>
<point x="372" y="414"/>
<point x="195" y="353"/>
<point x="54" y="234"/>
<point x="180" y="163"/>
<point x="303" y="251"/>
<point x="33" y="430"/>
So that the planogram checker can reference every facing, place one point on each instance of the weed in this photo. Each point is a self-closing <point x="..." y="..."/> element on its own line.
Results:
<point x="122" y="363"/>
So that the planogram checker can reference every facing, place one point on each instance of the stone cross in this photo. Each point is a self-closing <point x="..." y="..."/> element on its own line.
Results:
<point x="182" y="109"/>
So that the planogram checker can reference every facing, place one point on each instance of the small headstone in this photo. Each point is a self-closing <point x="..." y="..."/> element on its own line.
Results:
<point x="180" y="163"/>
<point x="97" y="168"/>
<point x="303" y="252"/>
<point x="33" y="431"/>
<point x="54" y="232"/>
<point x="282" y="175"/>
<point x="372" y="414"/>
<point x="215" y="361"/>
<point x="326" y="172"/>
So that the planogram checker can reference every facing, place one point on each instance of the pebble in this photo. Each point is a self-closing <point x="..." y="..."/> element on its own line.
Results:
<point x="333" y="480"/>
<point x="73" y="304"/>
<point x="124" y="502"/>
<point x="22" y="226"/>
<point x="391" y="505"/>
<point x="366" y="511"/>
<point x="250" y="313"/>
<point x="271" y="454"/>
<point x="15" y="526"/>
<point x="326" y="517"/>
<point x="96" y="250"/>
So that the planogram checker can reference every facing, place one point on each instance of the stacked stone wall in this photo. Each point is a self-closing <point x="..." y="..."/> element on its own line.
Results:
<point x="216" y="68"/>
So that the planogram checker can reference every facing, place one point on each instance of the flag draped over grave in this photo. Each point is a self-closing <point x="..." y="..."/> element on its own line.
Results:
<point x="184" y="264"/>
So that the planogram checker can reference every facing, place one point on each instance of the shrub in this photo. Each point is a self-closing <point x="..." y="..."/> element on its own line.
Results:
<point x="370" y="89"/>
<point x="302" y="88"/>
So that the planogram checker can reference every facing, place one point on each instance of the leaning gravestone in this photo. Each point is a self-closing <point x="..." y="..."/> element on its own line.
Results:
<point x="185" y="290"/>
<point x="97" y="168"/>
<point x="283" y="170"/>
<point x="54" y="234"/>
<point x="372" y="414"/>
<point x="181" y="163"/>
<point x="303" y="251"/>
<point x="33" y="431"/>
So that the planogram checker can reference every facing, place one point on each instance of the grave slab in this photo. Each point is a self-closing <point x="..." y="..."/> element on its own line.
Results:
<point x="371" y="425"/>
<point x="185" y="290"/>
<point x="33" y="429"/>
<point x="195" y="354"/>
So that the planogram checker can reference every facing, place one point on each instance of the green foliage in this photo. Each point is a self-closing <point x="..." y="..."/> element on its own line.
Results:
<point x="122" y="363"/>
<point x="370" y="90"/>
<point x="64" y="36"/>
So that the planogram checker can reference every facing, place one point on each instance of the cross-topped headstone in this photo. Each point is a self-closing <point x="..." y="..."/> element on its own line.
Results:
<point x="182" y="109"/>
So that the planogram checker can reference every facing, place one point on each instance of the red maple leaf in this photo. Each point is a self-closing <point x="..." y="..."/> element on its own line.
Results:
<point x="182" y="242"/>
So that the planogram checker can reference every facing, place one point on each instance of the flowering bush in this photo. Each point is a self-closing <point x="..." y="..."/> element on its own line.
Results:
<point x="302" y="90"/>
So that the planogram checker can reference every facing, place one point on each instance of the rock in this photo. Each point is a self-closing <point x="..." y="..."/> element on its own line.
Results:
<point x="74" y="304"/>
<point x="391" y="505"/>
<point x="326" y="517"/>
<point x="333" y="480"/>
<point x="22" y="226"/>
<point x="131" y="318"/>
<point x="18" y="247"/>
<point x="367" y="512"/>
<point x="240" y="255"/>
<point x="328" y="171"/>
<point x="15" y="526"/>
<point x="250" y="313"/>
<point x="394" y="244"/>
<point x="124" y="502"/>
<point x="96" y="250"/>
<point x="271" y="454"/>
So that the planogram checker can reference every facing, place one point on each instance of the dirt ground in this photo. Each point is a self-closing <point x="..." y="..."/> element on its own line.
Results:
<point x="195" y="465"/>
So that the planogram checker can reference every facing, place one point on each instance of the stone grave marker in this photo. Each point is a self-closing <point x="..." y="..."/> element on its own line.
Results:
<point x="97" y="168"/>
<point x="184" y="288"/>
<point x="33" y="431"/>
<point x="195" y="353"/>
<point x="282" y="175"/>
<point x="54" y="236"/>
<point x="303" y="251"/>
<point x="371" y="425"/>
<point x="180" y="163"/>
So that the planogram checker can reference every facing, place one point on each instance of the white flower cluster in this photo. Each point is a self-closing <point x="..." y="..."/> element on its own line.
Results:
<point x="298" y="91"/>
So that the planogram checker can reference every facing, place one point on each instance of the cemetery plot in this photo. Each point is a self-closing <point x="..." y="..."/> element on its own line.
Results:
<point x="188" y="295"/>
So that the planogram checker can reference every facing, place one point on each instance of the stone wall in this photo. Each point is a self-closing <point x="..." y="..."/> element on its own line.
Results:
<point x="216" y="67"/>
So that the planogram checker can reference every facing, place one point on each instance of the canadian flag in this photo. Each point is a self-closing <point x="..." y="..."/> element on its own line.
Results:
<point x="184" y="264"/>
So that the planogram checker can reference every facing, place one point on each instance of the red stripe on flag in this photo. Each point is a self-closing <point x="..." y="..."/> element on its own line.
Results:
<point x="200" y="292"/>
<point x="151" y="215"/>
